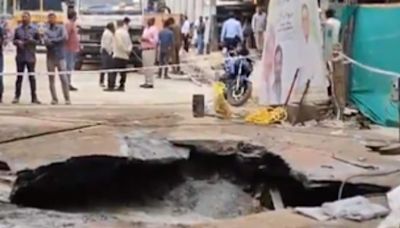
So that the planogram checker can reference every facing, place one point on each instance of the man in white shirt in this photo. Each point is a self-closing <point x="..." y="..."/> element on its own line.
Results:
<point x="331" y="33"/>
<point x="122" y="49"/>
<point x="259" y="25"/>
<point x="331" y="39"/>
<point x="185" y="33"/>
<point x="106" y="50"/>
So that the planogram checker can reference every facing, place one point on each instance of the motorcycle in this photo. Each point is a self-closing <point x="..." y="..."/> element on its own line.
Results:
<point x="237" y="70"/>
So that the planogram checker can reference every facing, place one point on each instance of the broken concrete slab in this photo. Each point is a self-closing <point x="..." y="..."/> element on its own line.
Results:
<point x="12" y="127"/>
<point x="143" y="146"/>
<point x="356" y="208"/>
<point x="225" y="144"/>
<point x="35" y="152"/>
<point x="12" y="216"/>
<point x="282" y="218"/>
<point x="393" y="219"/>
<point x="391" y="149"/>
<point x="312" y="212"/>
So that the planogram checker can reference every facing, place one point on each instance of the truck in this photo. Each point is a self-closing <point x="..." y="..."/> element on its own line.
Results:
<point x="94" y="15"/>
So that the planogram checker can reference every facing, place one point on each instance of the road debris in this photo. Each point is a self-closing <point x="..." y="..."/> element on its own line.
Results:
<point x="356" y="208"/>
<point x="393" y="219"/>
<point x="391" y="149"/>
<point x="360" y="163"/>
<point x="312" y="212"/>
<point x="266" y="116"/>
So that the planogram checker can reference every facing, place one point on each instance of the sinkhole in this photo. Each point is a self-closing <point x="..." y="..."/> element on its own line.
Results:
<point x="205" y="185"/>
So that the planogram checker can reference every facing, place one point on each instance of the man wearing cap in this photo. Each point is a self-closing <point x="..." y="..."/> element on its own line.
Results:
<point x="26" y="37"/>
<point x="54" y="38"/>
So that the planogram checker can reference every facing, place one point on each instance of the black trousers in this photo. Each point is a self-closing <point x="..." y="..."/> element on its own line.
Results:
<point x="163" y="62"/>
<point x="186" y="43"/>
<point x="231" y="43"/>
<point x="112" y="77"/>
<point x="21" y="66"/>
<point x="106" y="63"/>
<point x="1" y="76"/>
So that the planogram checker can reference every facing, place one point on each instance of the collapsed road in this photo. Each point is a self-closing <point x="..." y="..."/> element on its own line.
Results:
<point x="178" y="178"/>
<point x="171" y="177"/>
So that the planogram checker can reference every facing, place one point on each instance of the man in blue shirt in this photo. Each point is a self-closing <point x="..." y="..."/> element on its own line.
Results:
<point x="26" y="38"/>
<point x="232" y="32"/>
<point x="54" y="39"/>
<point x="165" y="47"/>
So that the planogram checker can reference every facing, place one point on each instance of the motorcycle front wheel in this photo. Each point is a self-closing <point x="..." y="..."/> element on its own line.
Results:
<point x="239" y="95"/>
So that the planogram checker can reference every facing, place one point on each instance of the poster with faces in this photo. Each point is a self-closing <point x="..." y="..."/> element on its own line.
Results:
<point x="292" y="49"/>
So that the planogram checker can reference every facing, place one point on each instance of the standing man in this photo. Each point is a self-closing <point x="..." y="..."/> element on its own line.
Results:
<point x="71" y="46"/>
<point x="150" y="7"/>
<point x="149" y="43"/>
<point x="127" y="21"/>
<point x="231" y="33"/>
<point x="2" y="42"/>
<point x="332" y="28"/>
<point x="200" y="30"/>
<point x="54" y="39"/>
<point x="185" y="30"/>
<point x="176" y="30"/>
<point x="26" y="38"/>
<point x="259" y="25"/>
<point x="247" y="33"/>
<point x="122" y="50"/>
<point x="165" y="47"/>
<point x="207" y="35"/>
<point x="106" y="50"/>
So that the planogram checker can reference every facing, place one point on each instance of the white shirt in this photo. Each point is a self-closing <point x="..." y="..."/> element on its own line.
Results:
<point x="334" y="25"/>
<point x="331" y="33"/>
<point x="107" y="41"/>
<point x="259" y="22"/>
<point x="122" y="44"/>
<point x="207" y="32"/>
<point x="185" y="27"/>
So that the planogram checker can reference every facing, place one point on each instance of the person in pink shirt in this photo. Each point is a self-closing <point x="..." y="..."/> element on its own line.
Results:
<point x="71" y="45"/>
<point x="149" y="43"/>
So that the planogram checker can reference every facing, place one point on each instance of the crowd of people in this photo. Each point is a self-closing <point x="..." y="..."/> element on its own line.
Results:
<point x="62" y="44"/>
<point x="159" y="46"/>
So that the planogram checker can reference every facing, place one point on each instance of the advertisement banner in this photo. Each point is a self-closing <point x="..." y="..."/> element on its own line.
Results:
<point x="292" y="53"/>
